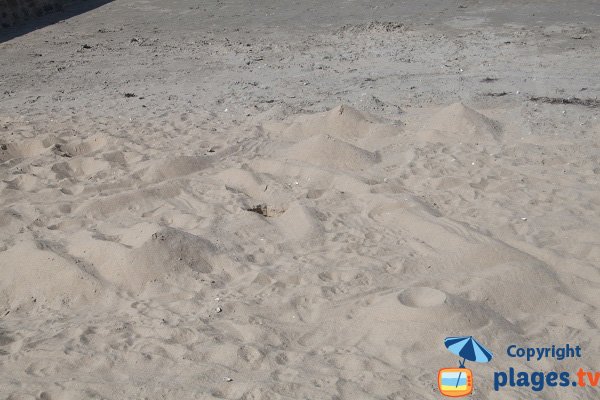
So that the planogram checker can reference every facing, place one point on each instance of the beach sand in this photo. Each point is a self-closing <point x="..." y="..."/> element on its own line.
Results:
<point x="297" y="200"/>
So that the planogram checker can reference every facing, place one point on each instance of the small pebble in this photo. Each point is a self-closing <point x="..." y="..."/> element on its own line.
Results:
<point x="523" y="219"/>
<point x="219" y="309"/>
<point x="228" y="379"/>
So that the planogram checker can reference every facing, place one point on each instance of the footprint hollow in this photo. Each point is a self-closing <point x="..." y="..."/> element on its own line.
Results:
<point x="422" y="297"/>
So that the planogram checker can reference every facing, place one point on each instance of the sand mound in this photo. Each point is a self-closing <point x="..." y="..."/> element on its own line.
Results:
<point x="79" y="167"/>
<point x="81" y="148"/>
<point x="22" y="149"/>
<point x="70" y="166"/>
<point x="173" y="167"/>
<point x="421" y="223"/>
<point x="396" y="329"/>
<point x="167" y="252"/>
<point x="342" y="122"/>
<point x="47" y="277"/>
<point x="428" y="306"/>
<point x="299" y="222"/>
<point x="133" y="200"/>
<point x="329" y="152"/>
<point x="320" y="181"/>
<point x="168" y="256"/>
<point x="242" y="180"/>
<point x="258" y="189"/>
<point x="459" y="123"/>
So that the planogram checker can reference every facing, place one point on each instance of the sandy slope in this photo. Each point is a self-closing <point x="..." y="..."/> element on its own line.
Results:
<point x="289" y="218"/>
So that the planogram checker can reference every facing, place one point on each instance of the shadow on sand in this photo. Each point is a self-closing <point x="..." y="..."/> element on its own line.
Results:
<point x="70" y="9"/>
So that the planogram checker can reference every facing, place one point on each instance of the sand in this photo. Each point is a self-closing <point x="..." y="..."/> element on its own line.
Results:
<point x="226" y="201"/>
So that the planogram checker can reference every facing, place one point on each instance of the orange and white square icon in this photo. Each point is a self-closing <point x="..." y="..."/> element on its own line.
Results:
<point x="455" y="382"/>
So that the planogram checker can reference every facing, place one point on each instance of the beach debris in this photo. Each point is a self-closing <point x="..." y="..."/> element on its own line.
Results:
<point x="266" y="211"/>
<point x="567" y="100"/>
<point x="57" y="149"/>
<point x="496" y="94"/>
<point x="259" y="209"/>
<point x="374" y="26"/>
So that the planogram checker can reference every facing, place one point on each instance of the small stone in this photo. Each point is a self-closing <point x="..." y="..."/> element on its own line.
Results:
<point x="228" y="379"/>
<point x="219" y="309"/>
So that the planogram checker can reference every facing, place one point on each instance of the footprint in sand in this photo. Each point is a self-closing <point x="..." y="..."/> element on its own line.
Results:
<point x="422" y="297"/>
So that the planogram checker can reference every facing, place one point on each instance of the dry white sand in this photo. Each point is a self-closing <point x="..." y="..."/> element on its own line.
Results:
<point x="293" y="215"/>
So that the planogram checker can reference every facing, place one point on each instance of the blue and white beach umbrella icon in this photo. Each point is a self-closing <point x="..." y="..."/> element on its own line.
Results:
<point x="469" y="349"/>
